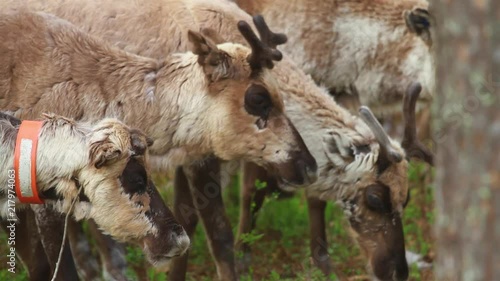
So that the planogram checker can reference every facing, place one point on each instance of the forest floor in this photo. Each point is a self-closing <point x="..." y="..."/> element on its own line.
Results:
<point x="280" y="248"/>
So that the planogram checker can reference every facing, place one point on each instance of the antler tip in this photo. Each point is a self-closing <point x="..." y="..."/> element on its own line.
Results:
<point x="258" y="19"/>
<point x="365" y="111"/>
<point x="414" y="89"/>
<point x="243" y="25"/>
<point x="277" y="55"/>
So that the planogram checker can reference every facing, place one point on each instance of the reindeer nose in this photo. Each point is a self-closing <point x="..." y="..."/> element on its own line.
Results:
<point x="395" y="269"/>
<point x="312" y="173"/>
<point x="401" y="273"/>
<point x="308" y="171"/>
<point x="180" y="243"/>
<point x="398" y="277"/>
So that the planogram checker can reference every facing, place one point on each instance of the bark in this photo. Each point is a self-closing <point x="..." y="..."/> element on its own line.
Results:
<point x="467" y="138"/>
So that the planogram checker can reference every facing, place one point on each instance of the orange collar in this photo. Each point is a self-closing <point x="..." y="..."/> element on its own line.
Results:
<point x="25" y="162"/>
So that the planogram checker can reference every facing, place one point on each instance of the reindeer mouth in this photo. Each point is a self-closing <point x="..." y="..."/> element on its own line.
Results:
<point x="164" y="258"/>
<point x="159" y="261"/>
<point x="160" y="252"/>
<point x="287" y="185"/>
<point x="291" y="186"/>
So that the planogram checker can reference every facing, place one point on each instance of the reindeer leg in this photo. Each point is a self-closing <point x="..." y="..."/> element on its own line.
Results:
<point x="318" y="243"/>
<point x="51" y="228"/>
<point x="185" y="214"/>
<point x="87" y="265"/>
<point x="251" y="202"/>
<point x="29" y="248"/>
<point x="206" y="190"/>
<point x="112" y="254"/>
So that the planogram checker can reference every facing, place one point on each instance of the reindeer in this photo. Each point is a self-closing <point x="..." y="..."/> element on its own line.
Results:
<point x="374" y="48"/>
<point x="103" y="169"/>
<point x="371" y="191"/>
<point x="337" y="138"/>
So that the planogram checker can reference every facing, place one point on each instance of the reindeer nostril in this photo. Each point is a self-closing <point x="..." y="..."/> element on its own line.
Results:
<point x="312" y="174"/>
<point x="308" y="172"/>
<point x="303" y="171"/>
<point x="401" y="273"/>
<point x="181" y="243"/>
<point x="178" y="230"/>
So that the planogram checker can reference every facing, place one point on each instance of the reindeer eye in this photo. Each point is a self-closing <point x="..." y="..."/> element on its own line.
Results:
<point x="374" y="202"/>
<point x="258" y="101"/>
<point x="138" y="180"/>
<point x="134" y="177"/>
<point x="378" y="198"/>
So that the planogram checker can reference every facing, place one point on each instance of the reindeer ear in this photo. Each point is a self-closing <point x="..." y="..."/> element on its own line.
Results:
<point x="108" y="142"/>
<point x="103" y="154"/>
<point x="418" y="21"/>
<point x="337" y="149"/>
<point x="215" y="62"/>
<point x="140" y="142"/>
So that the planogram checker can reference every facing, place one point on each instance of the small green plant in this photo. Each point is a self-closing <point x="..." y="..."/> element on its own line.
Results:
<point x="251" y="238"/>
<point x="415" y="273"/>
<point x="275" y="276"/>
<point x="334" y="277"/>
<point x="134" y="256"/>
<point x="156" y="276"/>
<point x="246" y="277"/>
<point x="20" y="274"/>
<point x="260" y="184"/>
<point x="136" y="260"/>
<point x="131" y="274"/>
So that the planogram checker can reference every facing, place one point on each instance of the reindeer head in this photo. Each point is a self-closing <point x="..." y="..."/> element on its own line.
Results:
<point x="374" y="190"/>
<point x="116" y="190"/>
<point x="250" y="122"/>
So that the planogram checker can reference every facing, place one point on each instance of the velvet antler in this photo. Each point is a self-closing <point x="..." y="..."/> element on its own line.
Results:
<point x="413" y="147"/>
<point x="264" y="50"/>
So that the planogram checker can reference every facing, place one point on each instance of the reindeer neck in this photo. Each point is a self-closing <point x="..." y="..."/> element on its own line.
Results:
<point x="302" y="92"/>
<point x="61" y="152"/>
<point x="317" y="116"/>
<point x="69" y="72"/>
<point x="61" y="141"/>
<point x="163" y="98"/>
<point x="180" y="116"/>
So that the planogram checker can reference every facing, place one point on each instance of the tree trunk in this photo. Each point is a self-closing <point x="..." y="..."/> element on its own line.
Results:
<point x="467" y="138"/>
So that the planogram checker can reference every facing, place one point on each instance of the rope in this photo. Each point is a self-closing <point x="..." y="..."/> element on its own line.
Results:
<point x="64" y="233"/>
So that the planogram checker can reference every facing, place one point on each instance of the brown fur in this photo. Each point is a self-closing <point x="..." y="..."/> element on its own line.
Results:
<point x="190" y="107"/>
<point x="373" y="54"/>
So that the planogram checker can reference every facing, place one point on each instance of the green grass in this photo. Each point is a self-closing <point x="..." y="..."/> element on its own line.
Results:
<point x="20" y="272"/>
<point x="280" y="243"/>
